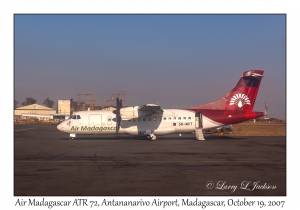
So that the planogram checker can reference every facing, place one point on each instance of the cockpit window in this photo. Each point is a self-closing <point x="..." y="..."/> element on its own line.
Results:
<point x="73" y="117"/>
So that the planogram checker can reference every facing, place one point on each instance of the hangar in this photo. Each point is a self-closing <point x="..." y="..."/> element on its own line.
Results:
<point x="34" y="109"/>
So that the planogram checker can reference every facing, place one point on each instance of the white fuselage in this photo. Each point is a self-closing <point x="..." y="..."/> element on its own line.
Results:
<point x="104" y="122"/>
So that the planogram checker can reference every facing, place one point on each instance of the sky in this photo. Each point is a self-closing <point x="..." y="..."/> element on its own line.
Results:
<point x="176" y="61"/>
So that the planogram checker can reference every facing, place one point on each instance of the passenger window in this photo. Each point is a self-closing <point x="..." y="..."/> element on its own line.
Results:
<point x="174" y="118"/>
<point x="144" y="119"/>
<point x="139" y="119"/>
<point x="149" y="118"/>
<point x="184" y="118"/>
<point x="179" y="118"/>
<point x="78" y="117"/>
<point x="159" y="118"/>
<point x="189" y="118"/>
<point x="169" y="118"/>
<point x="154" y="118"/>
<point x="165" y="118"/>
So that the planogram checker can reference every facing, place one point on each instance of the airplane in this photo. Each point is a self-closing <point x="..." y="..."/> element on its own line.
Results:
<point x="150" y="120"/>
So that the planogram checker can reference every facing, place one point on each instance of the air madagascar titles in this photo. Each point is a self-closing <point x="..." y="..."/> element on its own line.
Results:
<point x="49" y="204"/>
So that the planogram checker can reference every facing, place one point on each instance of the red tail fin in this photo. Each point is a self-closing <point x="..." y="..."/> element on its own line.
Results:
<point x="242" y="97"/>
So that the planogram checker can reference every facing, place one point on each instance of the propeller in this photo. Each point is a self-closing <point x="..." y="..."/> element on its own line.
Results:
<point x="117" y="112"/>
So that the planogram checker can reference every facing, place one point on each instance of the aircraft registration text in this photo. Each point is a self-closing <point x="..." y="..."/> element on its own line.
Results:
<point x="185" y="124"/>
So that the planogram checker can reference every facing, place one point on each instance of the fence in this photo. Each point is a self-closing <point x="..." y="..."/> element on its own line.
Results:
<point x="34" y="120"/>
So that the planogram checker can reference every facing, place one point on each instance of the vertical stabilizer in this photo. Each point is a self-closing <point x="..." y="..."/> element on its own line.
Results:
<point x="242" y="97"/>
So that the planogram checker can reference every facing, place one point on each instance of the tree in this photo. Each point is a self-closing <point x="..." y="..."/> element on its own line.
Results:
<point x="98" y="107"/>
<point x="29" y="101"/>
<point x="49" y="103"/>
<point x="74" y="105"/>
<point x="16" y="104"/>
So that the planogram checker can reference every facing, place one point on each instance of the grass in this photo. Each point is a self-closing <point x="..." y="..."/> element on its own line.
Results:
<point x="259" y="129"/>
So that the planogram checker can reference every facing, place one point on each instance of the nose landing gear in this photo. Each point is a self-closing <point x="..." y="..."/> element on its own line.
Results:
<point x="72" y="136"/>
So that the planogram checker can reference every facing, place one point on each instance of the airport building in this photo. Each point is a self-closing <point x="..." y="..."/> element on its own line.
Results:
<point x="34" y="109"/>
<point x="110" y="108"/>
<point x="64" y="106"/>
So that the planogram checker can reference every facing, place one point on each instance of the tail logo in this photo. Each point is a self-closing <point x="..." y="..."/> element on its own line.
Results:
<point x="240" y="100"/>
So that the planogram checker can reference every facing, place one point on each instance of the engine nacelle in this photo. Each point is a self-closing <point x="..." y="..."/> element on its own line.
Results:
<point x="128" y="113"/>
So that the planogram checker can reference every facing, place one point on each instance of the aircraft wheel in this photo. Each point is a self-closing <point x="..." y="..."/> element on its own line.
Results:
<point x="153" y="138"/>
<point x="72" y="136"/>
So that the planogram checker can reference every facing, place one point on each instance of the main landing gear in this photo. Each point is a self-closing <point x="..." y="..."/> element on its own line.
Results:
<point x="152" y="137"/>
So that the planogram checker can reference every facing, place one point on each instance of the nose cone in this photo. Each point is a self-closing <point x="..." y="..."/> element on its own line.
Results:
<point x="60" y="126"/>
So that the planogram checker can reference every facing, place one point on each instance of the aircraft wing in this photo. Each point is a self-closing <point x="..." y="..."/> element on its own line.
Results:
<point x="150" y="108"/>
<point x="128" y="113"/>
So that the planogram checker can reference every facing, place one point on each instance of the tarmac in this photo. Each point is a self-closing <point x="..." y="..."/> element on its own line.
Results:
<point x="47" y="163"/>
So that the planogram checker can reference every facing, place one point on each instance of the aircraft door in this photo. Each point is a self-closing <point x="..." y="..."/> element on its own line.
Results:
<point x="198" y="120"/>
<point x="95" y="120"/>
